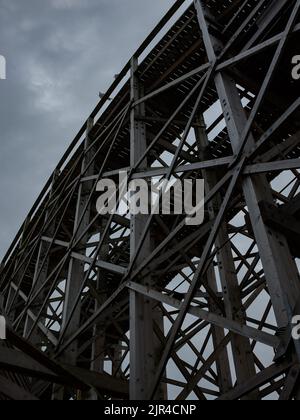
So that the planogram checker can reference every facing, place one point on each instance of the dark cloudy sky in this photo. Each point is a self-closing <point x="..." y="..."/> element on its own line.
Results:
<point x="60" y="54"/>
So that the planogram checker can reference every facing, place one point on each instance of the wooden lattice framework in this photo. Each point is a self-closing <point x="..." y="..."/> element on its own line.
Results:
<point x="147" y="307"/>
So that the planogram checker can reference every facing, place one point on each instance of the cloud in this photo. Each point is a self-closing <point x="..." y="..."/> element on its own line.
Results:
<point x="66" y="4"/>
<point x="59" y="54"/>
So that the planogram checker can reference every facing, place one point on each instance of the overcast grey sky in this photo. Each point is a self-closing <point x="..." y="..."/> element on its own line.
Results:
<point x="60" y="54"/>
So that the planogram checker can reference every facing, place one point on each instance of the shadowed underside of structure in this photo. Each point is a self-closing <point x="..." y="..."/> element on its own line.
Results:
<point x="146" y="307"/>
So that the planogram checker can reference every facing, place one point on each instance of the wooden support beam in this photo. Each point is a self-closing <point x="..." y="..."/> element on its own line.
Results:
<point x="233" y="326"/>
<point x="282" y="221"/>
<point x="15" y="392"/>
<point x="258" y="381"/>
